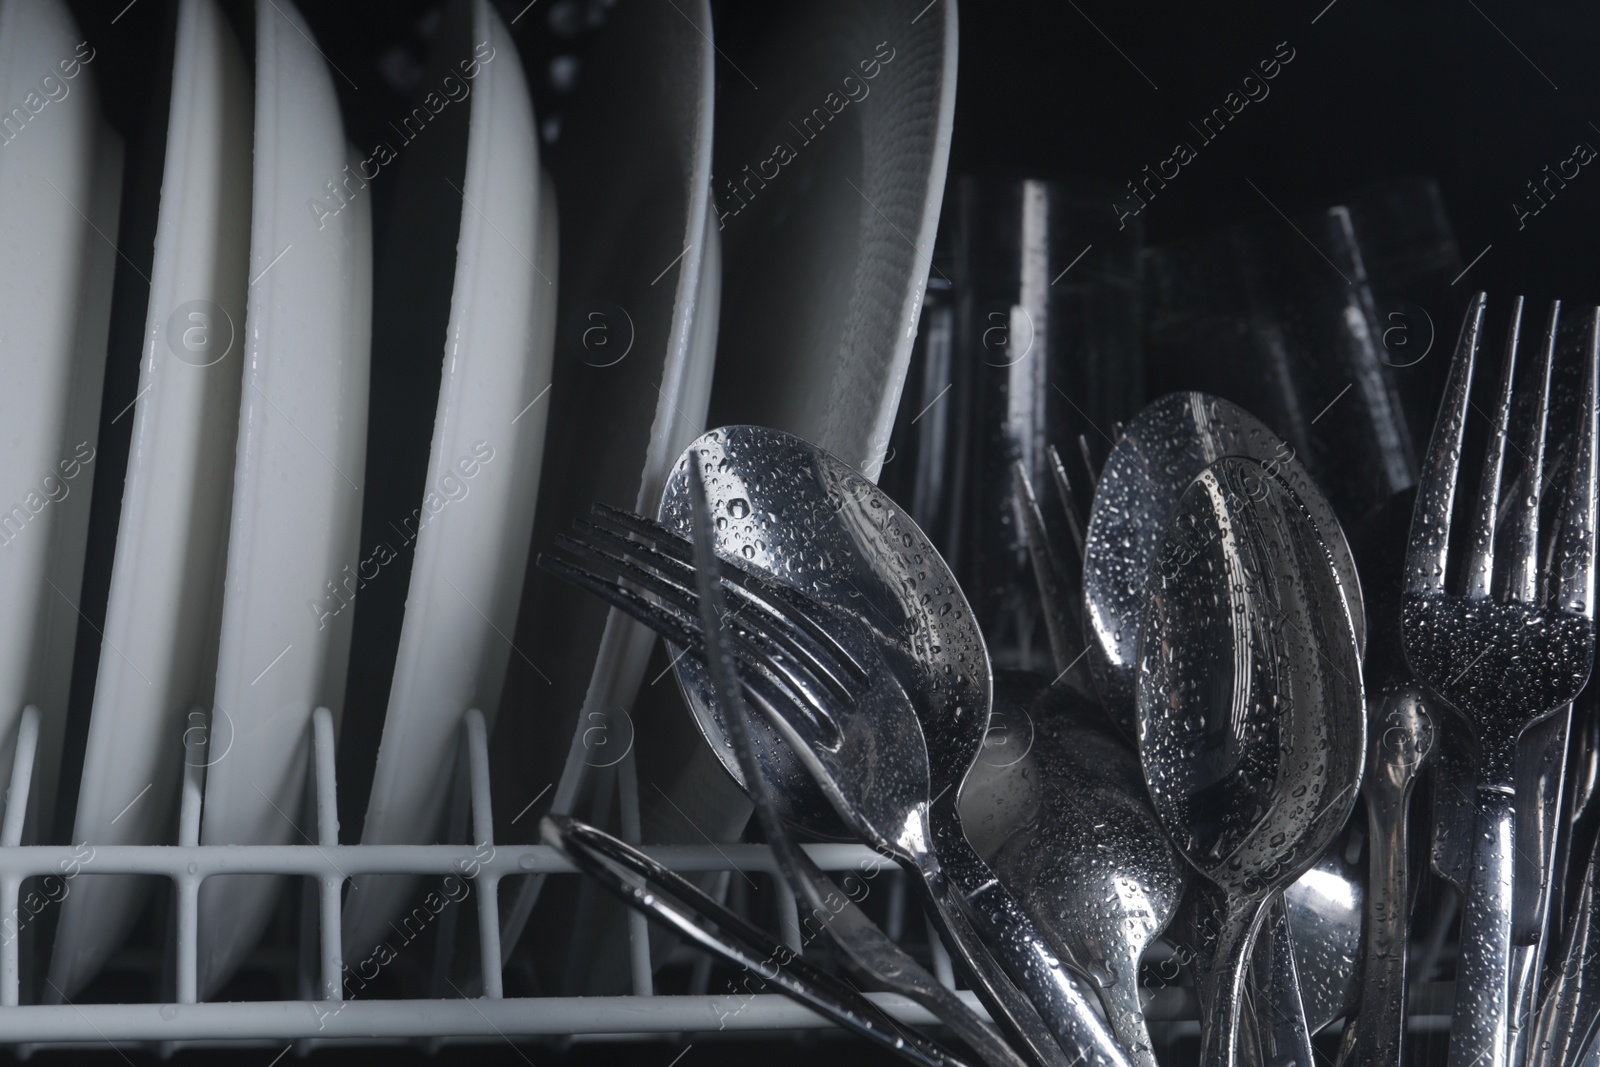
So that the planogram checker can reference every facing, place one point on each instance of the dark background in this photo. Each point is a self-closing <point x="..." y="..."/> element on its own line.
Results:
<point x="1479" y="94"/>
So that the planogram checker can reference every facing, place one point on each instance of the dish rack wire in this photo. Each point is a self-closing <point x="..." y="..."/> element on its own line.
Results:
<point x="324" y="1016"/>
<point x="481" y="1012"/>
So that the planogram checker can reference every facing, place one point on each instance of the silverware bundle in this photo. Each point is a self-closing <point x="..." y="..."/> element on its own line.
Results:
<point x="1191" y="769"/>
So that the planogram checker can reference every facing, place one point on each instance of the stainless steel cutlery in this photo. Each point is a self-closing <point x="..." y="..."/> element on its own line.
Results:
<point x="1506" y="644"/>
<point x="1211" y="757"/>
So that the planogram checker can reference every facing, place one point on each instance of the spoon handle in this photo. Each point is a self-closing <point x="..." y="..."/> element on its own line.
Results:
<point x="1478" y="1030"/>
<point x="960" y="884"/>
<point x="1276" y="1000"/>
<point x="1541" y="780"/>
<point x="1124" y="1004"/>
<point x="1377" y="1033"/>
<point x="1238" y="923"/>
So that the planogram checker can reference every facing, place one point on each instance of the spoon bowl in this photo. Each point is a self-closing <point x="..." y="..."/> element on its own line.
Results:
<point x="1324" y="906"/>
<point x="1251" y="716"/>
<point x="1159" y="453"/>
<point x="1059" y="810"/>
<point x="793" y="513"/>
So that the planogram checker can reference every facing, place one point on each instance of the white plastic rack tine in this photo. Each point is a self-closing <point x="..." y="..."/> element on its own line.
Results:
<point x="942" y="968"/>
<point x="21" y="778"/>
<point x="522" y="906"/>
<point x="632" y="833"/>
<point x="10" y="837"/>
<point x="489" y="956"/>
<point x="332" y="883"/>
<point x="195" y="750"/>
<point x="444" y="952"/>
<point x="789" y="917"/>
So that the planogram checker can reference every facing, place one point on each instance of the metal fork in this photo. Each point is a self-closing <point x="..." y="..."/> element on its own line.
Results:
<point x="677" y="904"/>
<point x="781" y="655"/>
<point x="872" y="719"/>
<point x="1503" y="654"/>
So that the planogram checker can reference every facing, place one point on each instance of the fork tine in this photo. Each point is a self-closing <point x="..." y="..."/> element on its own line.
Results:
<point x="1528" y="471"/>
<point x="665" y="562"/>
<point x="1577" y="554"/>
<point x="666" y="622"/>
<point x="675" y="545"/>
<point x="786" y="606"/>
<point x="1479" y="569"/>
<point x="770" y="680"/>
<point x="681" y="577"/>
<point x="752" y="613"/>
<point x="781" y="606"/>
<point x="1428" y="547"/>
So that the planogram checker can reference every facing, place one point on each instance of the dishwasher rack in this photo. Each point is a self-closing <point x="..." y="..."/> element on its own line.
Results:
<point x="323" y="1016"/>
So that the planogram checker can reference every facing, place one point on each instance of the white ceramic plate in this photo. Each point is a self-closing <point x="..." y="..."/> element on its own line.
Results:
<point x="158" y="652"/>
<point x="633" y="369"/>
<point x="60" y="190"/>
<point x="639" y="289"/>
<point x="829" y="183"/>
<point x="483" y="467"/>
<point x="296" y="499"/>
<point x="826" y="250"/>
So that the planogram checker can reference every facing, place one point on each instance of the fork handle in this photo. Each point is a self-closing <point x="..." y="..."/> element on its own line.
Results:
<point x="872" y="952"/>
<point x="680" y="906"/>
<point x="962" y="885"/>
<point x="1479" y="1031"/>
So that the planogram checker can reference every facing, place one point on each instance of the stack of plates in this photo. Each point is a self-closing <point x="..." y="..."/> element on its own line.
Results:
<point x="753" y="256"/>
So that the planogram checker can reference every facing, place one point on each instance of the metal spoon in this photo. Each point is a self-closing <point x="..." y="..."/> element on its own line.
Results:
<point x="861" y="941"/>
<point x="801" y="517"/>
<point x="1252" y="722"/>
<point x="1150" y="466"/>
<point x="1059" y="810"/>
<point x="1161" y="450"/>
<point x="791" y="512"/>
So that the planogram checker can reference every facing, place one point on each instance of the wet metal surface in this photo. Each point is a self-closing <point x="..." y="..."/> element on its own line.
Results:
<point x="1161" y="450"/>
<point x="1252" y="722"/>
